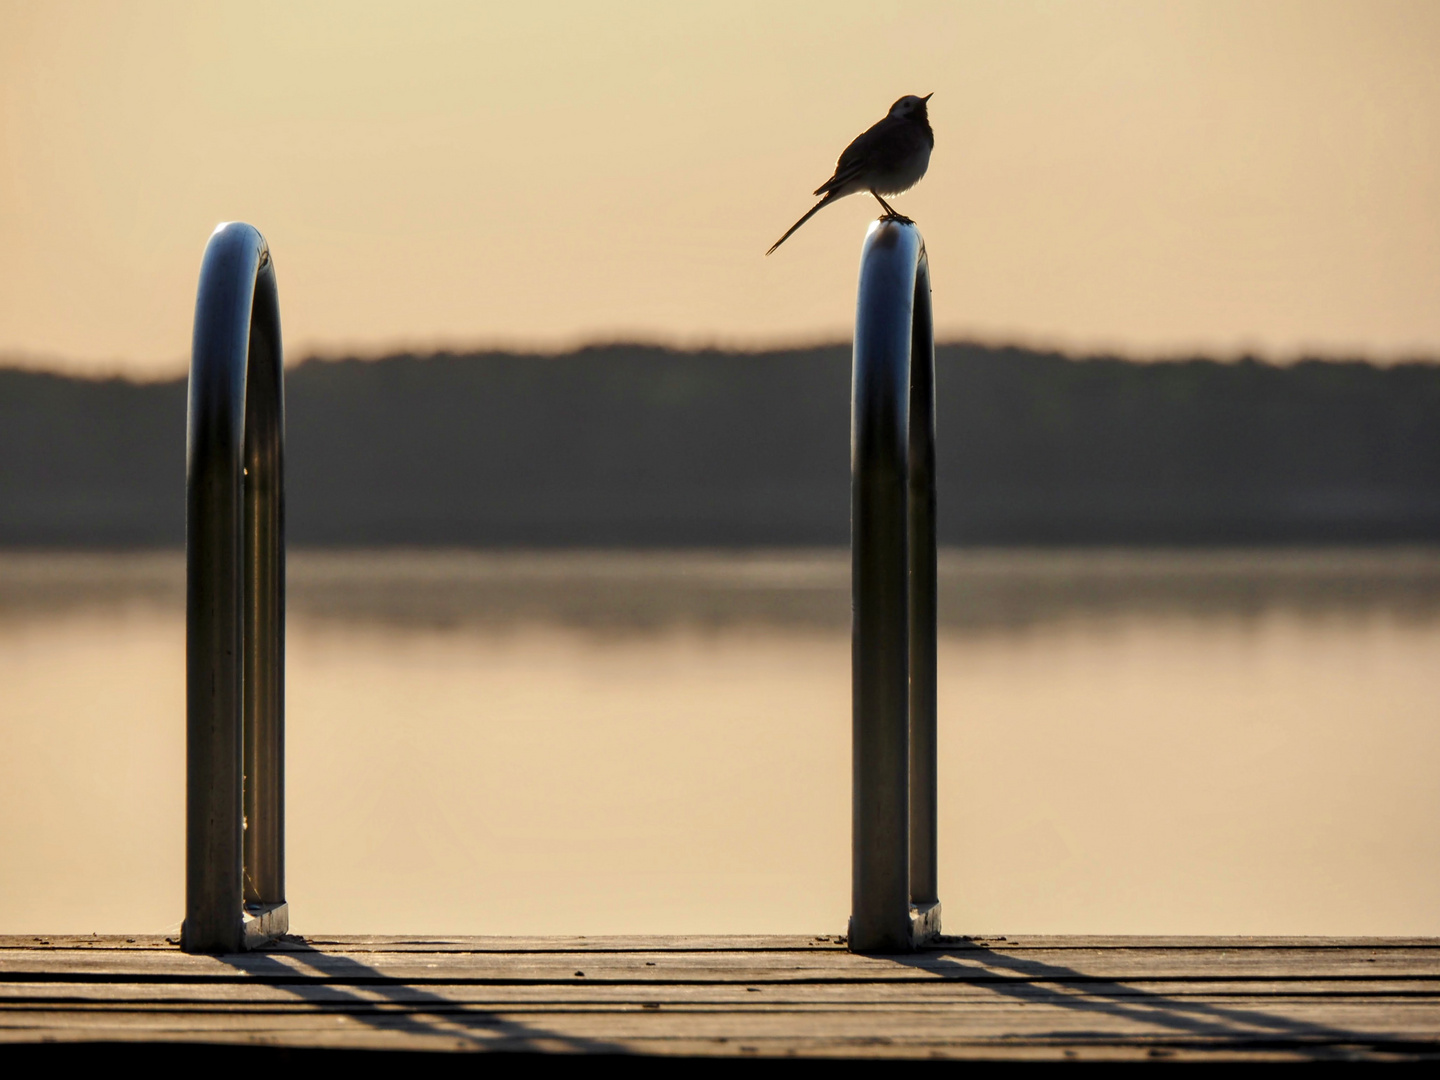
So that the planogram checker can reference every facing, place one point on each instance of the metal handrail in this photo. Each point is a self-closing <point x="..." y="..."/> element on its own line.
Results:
<point x="894" y="902"/>
<point x="235" y="602"/>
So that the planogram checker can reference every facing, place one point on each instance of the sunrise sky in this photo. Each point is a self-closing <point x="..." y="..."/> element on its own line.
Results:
<point x="1149" y="177"/>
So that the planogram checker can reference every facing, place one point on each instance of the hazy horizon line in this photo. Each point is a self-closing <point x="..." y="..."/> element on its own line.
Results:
<point x="103" y="371"/>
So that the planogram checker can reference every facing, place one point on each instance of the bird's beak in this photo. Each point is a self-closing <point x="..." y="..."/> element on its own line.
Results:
<point x="928" y="96"/>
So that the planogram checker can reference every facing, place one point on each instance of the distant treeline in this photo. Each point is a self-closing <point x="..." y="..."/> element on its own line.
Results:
<point x="644" y="446"/>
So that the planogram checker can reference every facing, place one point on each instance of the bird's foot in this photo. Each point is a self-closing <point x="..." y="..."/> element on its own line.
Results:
<point x="899" y="219"/>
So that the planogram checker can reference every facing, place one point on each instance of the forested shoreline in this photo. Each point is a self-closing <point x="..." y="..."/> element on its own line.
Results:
<point x="628" y="445"/>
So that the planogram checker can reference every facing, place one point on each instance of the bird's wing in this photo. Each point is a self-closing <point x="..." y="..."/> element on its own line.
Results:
<point x="869" y="147"/>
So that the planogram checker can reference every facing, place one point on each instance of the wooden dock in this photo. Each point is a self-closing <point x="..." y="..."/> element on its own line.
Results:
<point x="768" y="997"/>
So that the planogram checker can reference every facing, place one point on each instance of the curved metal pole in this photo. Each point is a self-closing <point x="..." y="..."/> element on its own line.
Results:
<point x="235" y="602"/>
<point x="924" y="779"/>
<point x="892" y="522"/>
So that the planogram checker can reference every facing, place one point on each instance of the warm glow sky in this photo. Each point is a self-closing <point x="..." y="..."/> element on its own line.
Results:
<point x="1148" y="176"/>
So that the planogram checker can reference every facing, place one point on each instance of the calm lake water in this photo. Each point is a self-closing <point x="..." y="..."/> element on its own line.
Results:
<point x="1141" y="742"/>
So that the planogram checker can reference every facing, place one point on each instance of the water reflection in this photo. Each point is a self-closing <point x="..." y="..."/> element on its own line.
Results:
<point x="979" y="590"/>
<point x="648" y="742"/>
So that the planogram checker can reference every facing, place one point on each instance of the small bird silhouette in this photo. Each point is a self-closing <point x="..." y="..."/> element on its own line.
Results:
<point x="889" y="158"/>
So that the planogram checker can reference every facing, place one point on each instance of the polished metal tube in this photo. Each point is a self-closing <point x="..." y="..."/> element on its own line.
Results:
<point x="235" y="587"/>
<point x="891" y="317"/>
<point x="264" y="623"/>
<point x="924" y="886"/>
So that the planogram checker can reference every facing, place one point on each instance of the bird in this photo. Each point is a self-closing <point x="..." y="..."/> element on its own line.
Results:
<point x="888" y="158"/>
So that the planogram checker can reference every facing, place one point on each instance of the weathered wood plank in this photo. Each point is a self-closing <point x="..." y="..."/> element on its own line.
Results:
<point x="722" y="943"/>
<point x="594" y="1029"/>
<point x="878" y="994"/>
<point x="1216" y="1022"/>
<point x="766" y="968"/>
<point x="362" y="943"/>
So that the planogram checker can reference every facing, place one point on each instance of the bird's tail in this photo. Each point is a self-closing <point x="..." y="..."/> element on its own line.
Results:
<point x="808" y="215"/>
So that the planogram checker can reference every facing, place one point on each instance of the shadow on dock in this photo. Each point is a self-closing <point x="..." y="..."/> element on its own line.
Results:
<point x="1203" y="1022"/>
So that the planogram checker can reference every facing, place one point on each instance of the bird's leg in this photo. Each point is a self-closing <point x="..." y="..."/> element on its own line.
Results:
<point x="890" y="214"/>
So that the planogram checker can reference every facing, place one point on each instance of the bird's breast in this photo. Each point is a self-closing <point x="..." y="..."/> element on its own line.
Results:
<point x="905" y="173"/>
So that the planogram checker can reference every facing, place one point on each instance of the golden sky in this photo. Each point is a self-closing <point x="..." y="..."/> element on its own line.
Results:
<point x="1153" y="177"/>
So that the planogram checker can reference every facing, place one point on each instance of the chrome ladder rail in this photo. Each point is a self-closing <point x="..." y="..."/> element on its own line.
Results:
<point x="235" y="602"/>
<point x="895" y="906"/>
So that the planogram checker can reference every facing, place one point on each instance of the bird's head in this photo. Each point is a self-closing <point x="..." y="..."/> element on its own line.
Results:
<point x="911" y="107"/>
